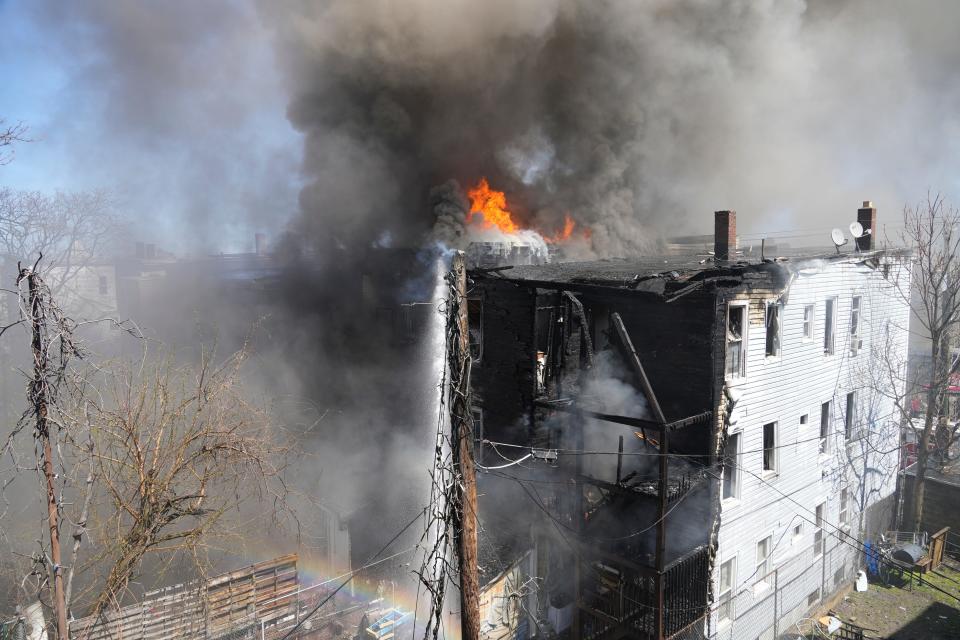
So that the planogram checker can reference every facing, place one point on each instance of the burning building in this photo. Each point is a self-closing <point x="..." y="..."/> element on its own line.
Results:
<point x="691" y="447"/>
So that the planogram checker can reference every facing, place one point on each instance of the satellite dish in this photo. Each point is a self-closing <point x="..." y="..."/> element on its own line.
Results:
<point x="838" y="239"/>
<point x="856" y="229"/>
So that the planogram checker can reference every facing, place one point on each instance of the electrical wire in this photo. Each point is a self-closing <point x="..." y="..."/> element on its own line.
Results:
<point x="350" y="577"/>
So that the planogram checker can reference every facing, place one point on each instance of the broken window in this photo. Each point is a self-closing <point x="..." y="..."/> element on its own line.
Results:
<point x="475" y="322"/>
<point x="843" y="507"/>
<point x="728" y="571"/>
<point x="763" y="558"/>
<point x="770" y="447"/>
<point x="808" y="322"/>
<point x="818" y="533"/>
<point x="731" y="476"/>
<point x="829" y="322"/>
<point x="773" y="328"/>
<point x="850" y="419"/>
<point x="855" y="341"/>
<point x="736" y="327"/>
<point x="826" y="411"/>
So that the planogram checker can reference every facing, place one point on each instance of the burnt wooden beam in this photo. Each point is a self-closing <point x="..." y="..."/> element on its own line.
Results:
<point x="585" y="328"/>
<point x="568" y="406"/>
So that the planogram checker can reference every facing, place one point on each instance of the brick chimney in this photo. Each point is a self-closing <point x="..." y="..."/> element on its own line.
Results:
<point x="724" y="235"/>
<point x="867" y="217"/>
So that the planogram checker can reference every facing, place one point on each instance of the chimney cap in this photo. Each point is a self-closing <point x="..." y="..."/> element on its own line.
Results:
<point x="867" y="204"/>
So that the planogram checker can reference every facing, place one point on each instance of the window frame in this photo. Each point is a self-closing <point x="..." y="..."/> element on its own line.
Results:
<point x="725" y="600"/>
<point x="762" y="567"/>
<point x="770" y="456"/>
<point x="826" y="425"/>
<point x="843" y="514"/>
<point x="819" y="517"/>
<point x="773" y="349"/>
<point x="732" y="458"/>
<point x="808" y="323"/>
<point x="830" y="325"/>
<point x="474" y="303"/>
<point x="850" y="417"/>
<point x="856" y="323"/>
<point x="741" y="372"/>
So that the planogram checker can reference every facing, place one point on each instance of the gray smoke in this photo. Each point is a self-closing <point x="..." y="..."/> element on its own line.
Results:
<point x="638" y="119"/>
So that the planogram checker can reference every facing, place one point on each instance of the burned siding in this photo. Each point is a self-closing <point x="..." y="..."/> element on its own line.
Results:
<point x="504" y="376"/>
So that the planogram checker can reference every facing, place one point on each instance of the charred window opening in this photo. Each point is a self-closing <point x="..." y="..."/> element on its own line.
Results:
<point x="731" y="476"/>
<point x="736" y="328"/>
<point x="475" y="322"/>
<point x="829" y="323"/>
<point x="770" y="447"/>
<point x="773" y="328"/>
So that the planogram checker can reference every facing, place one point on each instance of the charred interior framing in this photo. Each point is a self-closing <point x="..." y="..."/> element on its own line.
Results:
<point x="624" y="583"/>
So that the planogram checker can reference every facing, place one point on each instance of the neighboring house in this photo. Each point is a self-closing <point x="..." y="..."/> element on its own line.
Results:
<point x="781" y="448"/>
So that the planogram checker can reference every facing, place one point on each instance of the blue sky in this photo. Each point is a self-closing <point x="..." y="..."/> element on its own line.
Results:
<point x="181" y="116"/>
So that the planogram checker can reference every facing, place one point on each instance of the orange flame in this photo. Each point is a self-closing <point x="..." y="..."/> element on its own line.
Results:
<point x="493" y="205"/>
<point x="562" y="236"/>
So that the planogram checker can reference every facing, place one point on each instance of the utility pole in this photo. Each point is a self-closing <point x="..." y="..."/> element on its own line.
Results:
<point x="461" y="426"/>
<point x="38" y="396"/>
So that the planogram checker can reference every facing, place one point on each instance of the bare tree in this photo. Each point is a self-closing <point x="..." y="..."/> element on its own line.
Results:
<point x="9" y="135"/>
<point x="180" y="454"/>
<point x="932" y="231"/>
<point x="70" y="229"/>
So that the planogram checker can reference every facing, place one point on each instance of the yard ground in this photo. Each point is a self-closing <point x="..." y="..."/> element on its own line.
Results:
<point x="899" y="613"/>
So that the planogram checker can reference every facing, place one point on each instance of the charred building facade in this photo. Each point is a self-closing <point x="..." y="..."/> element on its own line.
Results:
<point x="690" y="447"/>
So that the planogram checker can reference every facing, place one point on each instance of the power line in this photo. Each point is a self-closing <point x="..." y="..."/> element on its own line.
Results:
<point x="350" y="577"/>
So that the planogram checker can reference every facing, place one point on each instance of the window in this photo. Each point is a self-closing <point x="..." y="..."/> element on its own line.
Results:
<point x="477" y="414"/>
<point x="770" y="447"/>
<point x="826" y="411"/>
<point x="818" y="532"/>
<point x="102" y="285"/>
<point x="731" y="472"/>
<point x="843" y="506"/>
<point x="736" y="328"/>
<point x="804" y="419"/>
<point x="829" y="321"/>
<point x="813" y="597"/>
<point x="475" y="323"/>
<point x="728" y="571"/>
<point x="855" y="341"/>
<point x="797" y="533"/>
<point x="808" y="322"/>
<point x="763" y="558"/>
<point x="773" y="328"/>
<point x="850" y="419"/>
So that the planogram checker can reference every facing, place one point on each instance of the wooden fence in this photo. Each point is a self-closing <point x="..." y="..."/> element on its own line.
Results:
<point x="261" y="594"/>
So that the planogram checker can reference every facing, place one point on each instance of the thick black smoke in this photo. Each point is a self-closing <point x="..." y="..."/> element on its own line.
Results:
<point x="638" y="118"/>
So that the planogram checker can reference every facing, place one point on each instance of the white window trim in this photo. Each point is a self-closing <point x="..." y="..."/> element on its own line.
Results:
<point x="735" y="499"/>
<point x="855" y="340"/>
<point x="760" y="584"/>
<point x="733" y="590"/>
<point x="744" y="341"/>
<point x="833" y="325"/>
<point x="813" y="323"/>
<point x="825" y="446"/>
<point x="820" y="528"/>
